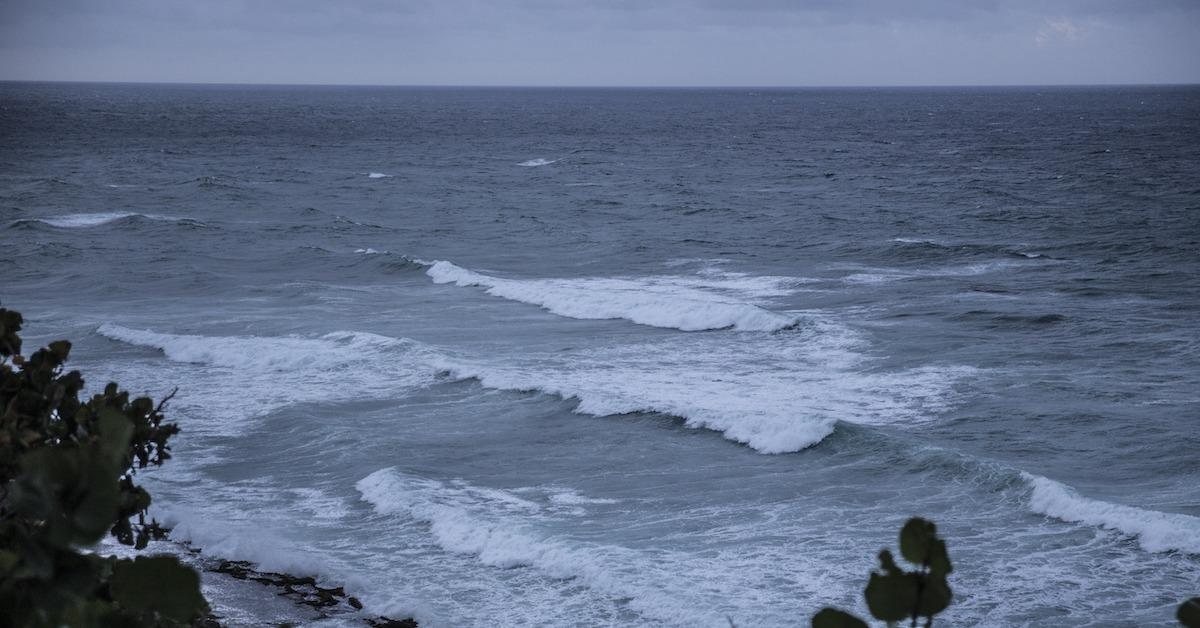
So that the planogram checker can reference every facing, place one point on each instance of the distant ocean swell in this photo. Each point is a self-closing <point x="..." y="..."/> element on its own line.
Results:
<point x="96" y="219"/>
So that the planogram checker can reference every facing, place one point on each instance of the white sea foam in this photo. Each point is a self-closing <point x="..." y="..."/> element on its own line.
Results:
<point x="486" y="524"/>
<point x="369" y="251"/>
<point x="274" y="372"/>
<point x="378" y="175"/>
<point x="685" y="303"/>
<point x="453" y="511"/>
<point x="776" y="394"/>
<point x="76" y="221"/>
<point x="572" y="497"/>
<point x="885" y="275"/>
<point x="281" y="353"/>
<point x="533" y="163"/>
<point x="238" y="542"/>
<point x="1155" y="531"/>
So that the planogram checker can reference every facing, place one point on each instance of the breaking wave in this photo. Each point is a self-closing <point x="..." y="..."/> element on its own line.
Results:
<point x="272" y="372"/>
<point x="776" y="394"/>
<point x="486" y="523"/>
<point x="1155" y="531"/>
<point x="688" y="304"/>
<point x="284" y="353"/>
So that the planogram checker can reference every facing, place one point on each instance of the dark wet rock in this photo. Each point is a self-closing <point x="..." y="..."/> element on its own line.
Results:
<point x="303" y="590"/>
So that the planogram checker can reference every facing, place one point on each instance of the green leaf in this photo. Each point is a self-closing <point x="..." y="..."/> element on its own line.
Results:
<point x="935" y="596"/>
<point x="115" y="432"/>
<point x="8" y="561"/>
<point x="833" y="618"/>
<point x="920" y="545"/>
<point x="939" y="559"/>
<point x="93" y="513"/>
<point x="10" y="324"/>
<point x="73" y="490"/>
<point x="916" y="537"/>
<point x="60" y="349"/>
<point x="1189" y="613"/>
<point x="888" y="564"/>
<point x="891" y="597"/>
<point x="158" y="584"/>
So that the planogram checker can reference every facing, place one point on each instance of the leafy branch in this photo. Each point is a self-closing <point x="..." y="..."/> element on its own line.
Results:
<point x="893" y="594"/>
<point x="67" y="473"/>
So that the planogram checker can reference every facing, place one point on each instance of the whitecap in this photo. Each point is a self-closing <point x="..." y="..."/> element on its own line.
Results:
<point x="775" y="394"/>
<point x="466" y="519"/>
<point x="1155" y="531"/>
<point x="273" y="372"/>
<point x="885" y="275"/>
<point x="77" y="221"/>
<point x="533" y="163"/>
<point x="684" y="303"/>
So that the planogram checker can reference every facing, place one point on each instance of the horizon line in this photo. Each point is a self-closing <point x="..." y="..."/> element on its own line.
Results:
<point x="602" y="86"/>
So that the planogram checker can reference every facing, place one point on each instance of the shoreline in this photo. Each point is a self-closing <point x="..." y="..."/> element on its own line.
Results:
<point x="302" y="591"/>
<point x="239" y="593"/>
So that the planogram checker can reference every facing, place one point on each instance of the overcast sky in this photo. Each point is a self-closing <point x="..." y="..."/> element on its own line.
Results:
<point x="604" y="42"/>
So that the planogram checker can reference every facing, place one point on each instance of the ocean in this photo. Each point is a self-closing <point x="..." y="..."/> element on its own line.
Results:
<point x="591" y="357"/>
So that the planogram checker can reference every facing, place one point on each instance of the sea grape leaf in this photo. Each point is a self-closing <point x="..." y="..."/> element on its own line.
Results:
<point x="96" y="508"/>
<point x="915" y="539"/>
<point x="833" y="618"/>
<point x="939" y="559"/>
<point x="10" y="324"/>
<point x="891" y="597"/>
<point x="920" y="545"/>
<point x="60" y="349"/>
<point x="935" y="596"/>
<point x="158" y="584"/>
<point x="115" y="431"/>
<point x="888" y="564"/>
<point x="1189" y="613"/>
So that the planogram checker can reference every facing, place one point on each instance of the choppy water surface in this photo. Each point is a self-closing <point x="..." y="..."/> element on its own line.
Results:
<point x="598" y="357"/>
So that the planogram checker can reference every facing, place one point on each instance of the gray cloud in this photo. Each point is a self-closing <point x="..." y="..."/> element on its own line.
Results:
<point x="615" y="42"/>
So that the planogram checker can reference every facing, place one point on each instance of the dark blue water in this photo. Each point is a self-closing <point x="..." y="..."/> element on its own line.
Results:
<point x="598" y="357"/>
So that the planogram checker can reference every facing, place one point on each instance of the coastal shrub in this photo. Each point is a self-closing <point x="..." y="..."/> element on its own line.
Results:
<point x="67" y="472"/>
<point x="893" y="594"/>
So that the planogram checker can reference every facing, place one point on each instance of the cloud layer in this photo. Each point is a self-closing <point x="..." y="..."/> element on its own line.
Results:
<point x="595" y="42"/>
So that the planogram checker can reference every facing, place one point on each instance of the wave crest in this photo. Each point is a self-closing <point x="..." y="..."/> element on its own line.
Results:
<point x="668" y="303"/>
<point x="489" y="524"/>
<point x="1155" y="531"/>
<point x="81" y="221"/>
<point x="273" y="372"/>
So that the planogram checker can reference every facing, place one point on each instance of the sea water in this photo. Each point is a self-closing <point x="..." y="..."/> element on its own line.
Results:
<point x="640" y="357"/>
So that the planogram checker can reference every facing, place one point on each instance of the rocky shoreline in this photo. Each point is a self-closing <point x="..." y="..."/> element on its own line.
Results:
<point x="241" y="594"/>
<point x="326" y="602"/>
